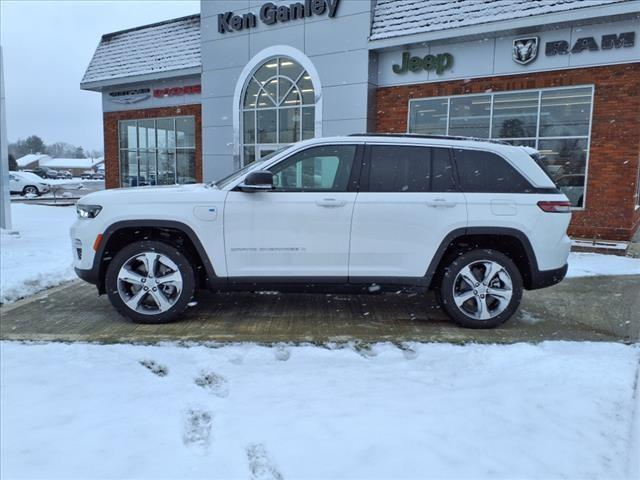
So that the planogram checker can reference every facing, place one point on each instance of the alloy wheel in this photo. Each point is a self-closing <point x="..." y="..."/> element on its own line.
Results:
<point x="482" y="289"/>
<point x="149" y="283"/>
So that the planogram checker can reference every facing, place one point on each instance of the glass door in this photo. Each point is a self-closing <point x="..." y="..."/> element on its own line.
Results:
<point x="264" y="150"/>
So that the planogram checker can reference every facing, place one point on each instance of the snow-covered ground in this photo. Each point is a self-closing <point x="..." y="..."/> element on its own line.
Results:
<point x="41" y="256"/>
<point x="592" y="264"/>
<point x="553" y="410"/>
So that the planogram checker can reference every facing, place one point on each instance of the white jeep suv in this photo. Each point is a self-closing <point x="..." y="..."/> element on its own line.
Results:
<point x="477" y="221"/>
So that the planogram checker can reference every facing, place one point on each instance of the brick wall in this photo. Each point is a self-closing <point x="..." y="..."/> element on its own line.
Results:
<point x="615" y="136"/>
<point x="111" y="119"/>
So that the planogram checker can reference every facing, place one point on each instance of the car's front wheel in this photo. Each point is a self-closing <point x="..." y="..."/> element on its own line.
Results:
<point x="481" y="289"/>
<point x="30" y="190"/>
<point x="150" y="282"/>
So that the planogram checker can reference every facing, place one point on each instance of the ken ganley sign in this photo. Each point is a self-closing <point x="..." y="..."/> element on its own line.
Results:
<point x="271" y="14"/>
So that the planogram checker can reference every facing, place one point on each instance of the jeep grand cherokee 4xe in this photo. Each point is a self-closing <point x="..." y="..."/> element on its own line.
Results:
<point x="474" y="220"/>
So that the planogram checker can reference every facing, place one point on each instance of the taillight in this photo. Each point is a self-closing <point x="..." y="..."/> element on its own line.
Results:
<point x="555" y="207"/>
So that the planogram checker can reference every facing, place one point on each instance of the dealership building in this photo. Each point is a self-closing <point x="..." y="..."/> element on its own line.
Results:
<point x="194" y="98"/>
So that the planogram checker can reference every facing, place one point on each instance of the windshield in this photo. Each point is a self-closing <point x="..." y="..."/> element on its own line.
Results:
<point x="237" y="174"/>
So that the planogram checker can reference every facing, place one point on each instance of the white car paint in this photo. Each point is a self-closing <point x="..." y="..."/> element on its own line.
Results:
<point x="19" y="180"/>
<point x="336" y="234"/>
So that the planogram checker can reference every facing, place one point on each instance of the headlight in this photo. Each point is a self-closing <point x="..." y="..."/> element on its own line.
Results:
<point x="88" y="211"/>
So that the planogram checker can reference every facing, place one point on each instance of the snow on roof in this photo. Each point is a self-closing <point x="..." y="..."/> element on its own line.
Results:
<point x="394" y="18"/>
<point x="30" y="158"/>
<point x="71" y="162"/>
<point x="159" y="47"/>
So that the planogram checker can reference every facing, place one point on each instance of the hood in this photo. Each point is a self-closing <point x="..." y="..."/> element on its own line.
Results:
<point x="167" y="194"/>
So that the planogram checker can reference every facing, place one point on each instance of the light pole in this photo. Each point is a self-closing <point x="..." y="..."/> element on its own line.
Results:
<point x="5" y="201"/>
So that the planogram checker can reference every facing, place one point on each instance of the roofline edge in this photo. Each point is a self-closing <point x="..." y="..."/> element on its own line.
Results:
<point x="106" y="36"/>
<point x="629" y="7"/>
<point x="99" y="85"/>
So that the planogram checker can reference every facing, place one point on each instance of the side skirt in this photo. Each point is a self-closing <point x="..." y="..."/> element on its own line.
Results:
<point x="357" y="285"/>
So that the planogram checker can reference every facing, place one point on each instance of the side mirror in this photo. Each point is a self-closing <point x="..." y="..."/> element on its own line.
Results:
<point x="259" y="180"/>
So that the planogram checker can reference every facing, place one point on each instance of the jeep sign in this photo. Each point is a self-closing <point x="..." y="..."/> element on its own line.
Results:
<point x="438" y="63"/>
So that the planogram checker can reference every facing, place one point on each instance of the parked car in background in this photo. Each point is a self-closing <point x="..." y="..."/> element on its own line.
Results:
<point x="91" y="175"/>
<point x="64" y="175"/>
<point x="476" y="221"/>
<point x="27" y="183"/>
<point x="44" y="172"/>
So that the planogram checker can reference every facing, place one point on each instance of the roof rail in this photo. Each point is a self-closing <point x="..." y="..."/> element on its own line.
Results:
<point x="438" y="137"/>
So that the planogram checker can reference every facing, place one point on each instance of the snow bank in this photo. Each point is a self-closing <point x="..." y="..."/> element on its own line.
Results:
<point x="40" y="256"/>
<point x="554" y="410"/>
<point x="592" y="264"/>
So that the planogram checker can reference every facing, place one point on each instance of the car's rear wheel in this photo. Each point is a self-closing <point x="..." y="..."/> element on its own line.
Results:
<point x="30" y="190"/>
<point x="481" y="289"/>
<point x="150" y="282"/>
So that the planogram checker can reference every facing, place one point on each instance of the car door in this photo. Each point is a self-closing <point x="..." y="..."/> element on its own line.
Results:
<point x="407" y="205"/>
<point x="14" y="183"/>
<point x="496" y="192"/>
<point x="299" y="229"/>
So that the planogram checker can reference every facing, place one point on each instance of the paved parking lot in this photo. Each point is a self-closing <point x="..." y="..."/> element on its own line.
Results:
<point x="596" y="308"/>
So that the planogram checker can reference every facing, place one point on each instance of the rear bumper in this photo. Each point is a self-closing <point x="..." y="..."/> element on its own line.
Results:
<point x="546" y="278"/>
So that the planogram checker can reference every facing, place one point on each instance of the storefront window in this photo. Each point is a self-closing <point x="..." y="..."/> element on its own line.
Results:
<point x="157" y="151"/>
<point x="638" y="188"/>
<point x="555" y="121"/>
<point x="278" y="108"/>
<point x="470" y="116"/>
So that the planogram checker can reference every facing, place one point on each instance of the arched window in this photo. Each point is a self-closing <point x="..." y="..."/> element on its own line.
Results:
<point x="278" y="108"/>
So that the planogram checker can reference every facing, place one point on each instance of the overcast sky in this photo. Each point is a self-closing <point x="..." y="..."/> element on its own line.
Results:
<point x="47" y="46"/>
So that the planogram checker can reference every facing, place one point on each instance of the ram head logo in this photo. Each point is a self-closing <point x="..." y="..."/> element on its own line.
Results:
<point x="525" y="50"/>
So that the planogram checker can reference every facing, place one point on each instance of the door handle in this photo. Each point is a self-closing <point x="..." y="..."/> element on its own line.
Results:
<point x="441" y="203"/>
<point x="330" y="202"/>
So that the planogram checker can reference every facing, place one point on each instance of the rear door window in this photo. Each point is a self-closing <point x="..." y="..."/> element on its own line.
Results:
<point x="402" y="168"/>
<point x="485" y="172"/>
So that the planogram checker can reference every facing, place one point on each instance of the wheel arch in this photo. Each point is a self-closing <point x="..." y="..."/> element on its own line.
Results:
<point x="512" y="242"/>
<point x="120" y="234"/>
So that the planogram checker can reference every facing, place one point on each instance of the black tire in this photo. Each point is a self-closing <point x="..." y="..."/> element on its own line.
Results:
<point x="30" y="189"/>
<point x="178" y="258"/>
<point x="462" y="315"/>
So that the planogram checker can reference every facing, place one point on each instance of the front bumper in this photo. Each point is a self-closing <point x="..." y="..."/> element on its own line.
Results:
<point x="89" y="276"/>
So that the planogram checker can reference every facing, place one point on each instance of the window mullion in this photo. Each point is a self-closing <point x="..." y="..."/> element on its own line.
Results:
<point x="491" y="117"/>
<point x="278" y="101"/>
<point x="448" y="114"/>
<point x="175" y="152"/>
<point x="538" y="122"/>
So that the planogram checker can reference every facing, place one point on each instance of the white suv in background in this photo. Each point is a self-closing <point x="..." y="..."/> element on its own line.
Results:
<point x="477" y="221"/>
<point x="27" y="183"/>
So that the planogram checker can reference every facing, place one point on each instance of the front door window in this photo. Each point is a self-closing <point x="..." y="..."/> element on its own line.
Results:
<point x="321" y="169"/>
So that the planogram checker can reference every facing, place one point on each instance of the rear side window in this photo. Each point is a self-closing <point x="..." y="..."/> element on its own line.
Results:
<point x="487" y="172"/>
<point x="399" y="168"/>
